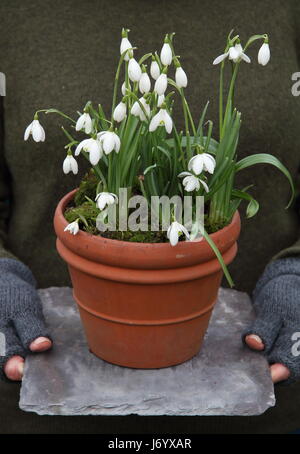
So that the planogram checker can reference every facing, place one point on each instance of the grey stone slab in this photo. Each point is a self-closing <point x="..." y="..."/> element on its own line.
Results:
<point x="225" y="378"/>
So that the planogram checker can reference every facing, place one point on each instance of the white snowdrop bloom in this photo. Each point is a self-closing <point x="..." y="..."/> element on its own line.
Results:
<point x="72" y="228"/>
<point x="144" y="83"/>
<point x="91" y="146"/>
<point x="166" y="54"/>
<point x="120" y="112"/>
<point x="234" y="53"/>
<point x="174" y="231"/>
<point x="109" y="141"/>
<point x="191" y="182"/>
<point x="180" y="77"/>
<point x="162" y="118"/>
<point x="137" y="111"/>
<point x="105" y="198"/>
<point x="264" y="54"/>
<point x="154" y="70"/>
<point x="202" y="161"/>
<point x="237" y="53"/>
<point x="161" y="84"/>
<point x="160" y="100"/>
<point x="84" y="122"/>
<point x="70" y="165"/>
<point x="37" y="131"/>
<point x="125" y="45"/>
<point x="134" y="70"/>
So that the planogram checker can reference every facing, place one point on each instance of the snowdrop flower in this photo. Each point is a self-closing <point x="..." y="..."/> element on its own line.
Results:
<point x="202" y="161"/>
<point x="144" y="83"/>
<point x="264" y="54"/>
<point x="105" y="198"/>
<point x="134" y="70"/>
<point x="84" y="121"/>
<point x="123" y="88"/>
<point x="72" y="228"/>
<point x="234" y="53"/>
<point x="154" y="70"/>
<point x="174" y="231"/>
<point x="37" y="131"/>
<point x="120" y="112"/>
<point x="161" y="84"/>
<point x="125" y="45"/>
<point x="162" y="118"/>
<point x="192" y="183"/>
<point x="137" y="111"/>
<point x="160" y="100"/>
<point x="180" y="77"/>
<point x="109" y="141"/>
<point x="166" y="54"/>
<point x="70" y="165"/>
<point x="91" y="146"/>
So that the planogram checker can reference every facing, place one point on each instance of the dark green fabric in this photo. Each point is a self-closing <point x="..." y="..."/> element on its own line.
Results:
<point x="61" y="53"/>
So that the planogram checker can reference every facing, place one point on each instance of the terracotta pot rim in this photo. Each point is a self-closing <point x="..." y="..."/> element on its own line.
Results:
<point x="85" y="235"/>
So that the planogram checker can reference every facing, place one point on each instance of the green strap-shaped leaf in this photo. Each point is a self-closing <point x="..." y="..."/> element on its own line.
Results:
<point x="264" y="158"/>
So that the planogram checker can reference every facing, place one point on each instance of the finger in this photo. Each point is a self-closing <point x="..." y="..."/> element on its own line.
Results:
<point x="279" y="372"/>
<point x="10" y="345"/>
<point x="14" y="368"/>
<point x="253" y="341"/>
<point x="284" y="352"/>
<point x="30" y="325"/>
<point x="266" y="328"/>
<point x="41" y="344"/>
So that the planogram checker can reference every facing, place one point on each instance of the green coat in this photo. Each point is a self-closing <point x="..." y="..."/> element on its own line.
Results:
<point x="63" y="53"/>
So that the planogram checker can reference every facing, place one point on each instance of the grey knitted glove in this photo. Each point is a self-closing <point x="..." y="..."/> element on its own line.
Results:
<point x="21" y="316"/>
<point x="277" y="305"/>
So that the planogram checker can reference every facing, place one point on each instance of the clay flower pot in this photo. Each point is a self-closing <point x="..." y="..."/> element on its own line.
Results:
<point x="144" y="305"/>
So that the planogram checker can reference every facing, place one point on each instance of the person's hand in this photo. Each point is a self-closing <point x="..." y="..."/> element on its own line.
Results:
<point x="276" y="330"/>
<point x="22" y="326"/>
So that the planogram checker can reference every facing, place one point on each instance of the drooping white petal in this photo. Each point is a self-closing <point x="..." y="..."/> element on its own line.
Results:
<point x="181" y="78"/>
<point x="144" y="83"/>
<point x="234" y="52"/>
<point x="80" y="146"/>
<point x="135" y="109"/>
<point x="134" y="70"/>
<point x="67" y="165"/>
<point x="88" y="124"/>
<point x="167" y="120"/>
<point x="174" y="231"/>
<point x="245" y="58"/>
<point x="160" y="100"/>
<point x="209" y="163"/>
<point x="154" y="123"/>
<point x="125" y="45"/>
<point x="95" y="155"/>
<point x="120" y="112"/>
<point x="264" y="54"/>
<point x="38" y="133"/>
<point x="161" y="84"/>
<point x="74" y="165"/>
<point x="72" y="228"/>
<point x="80" y="122"/>
<point x="27" y="131"/>
<point x="204" y="185"/>
<point x="166" y="54"/>
<point x="154" y="70"/>
<point x="105" y="198"/>
<point x="117" y="142"/>
<point x="220" y="58"/>
<point x="196" y="164"/>
<point x="108" y="143"/>
<point x="191" y="183"/>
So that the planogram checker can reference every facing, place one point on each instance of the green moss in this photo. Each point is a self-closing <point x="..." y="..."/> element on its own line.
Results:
<point x="87" y="188"/>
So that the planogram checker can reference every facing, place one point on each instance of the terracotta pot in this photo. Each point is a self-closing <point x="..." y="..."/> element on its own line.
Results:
<point x="144" y="305"/>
